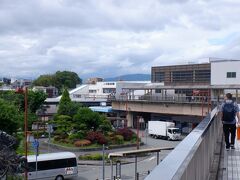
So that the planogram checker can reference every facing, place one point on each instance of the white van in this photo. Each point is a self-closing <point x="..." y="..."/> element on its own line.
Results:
<point x="56" y="166"/>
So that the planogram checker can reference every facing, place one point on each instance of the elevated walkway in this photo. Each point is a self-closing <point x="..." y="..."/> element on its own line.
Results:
<point x="197" y="156"/>
<point x="201" y="155"/>
<point x="164" y="107"/>
<point x="230" y="164"/>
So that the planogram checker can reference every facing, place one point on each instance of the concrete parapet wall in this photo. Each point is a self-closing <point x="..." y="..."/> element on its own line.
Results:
<point x="195" y="109"/>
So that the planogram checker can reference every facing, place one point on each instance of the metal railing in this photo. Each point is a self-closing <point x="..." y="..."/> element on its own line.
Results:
<point x="156" y="98"/>
<point x="193" y="157"/>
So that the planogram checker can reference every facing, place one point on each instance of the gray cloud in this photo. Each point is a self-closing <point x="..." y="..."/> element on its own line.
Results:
<point x="113" y="37"/>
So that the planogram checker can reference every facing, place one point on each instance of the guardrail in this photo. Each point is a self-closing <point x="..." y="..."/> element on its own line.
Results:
<point x="155" y="98"/>
<point x="193" y="157"/>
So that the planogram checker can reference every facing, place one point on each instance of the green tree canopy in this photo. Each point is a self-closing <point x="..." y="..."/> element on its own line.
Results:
<point x="64" y="124"/>
<point x="9" y="161"/>
<point x="91" y="119"/>
<point x="65" y="97"/>
<point x="66" y="79"/>
<point x="60" y="79"/>
<point x="44" y="80"/>
<point x="66" y="106"/>
<point x="10" y="119"/>
<point x="35" y="99"/>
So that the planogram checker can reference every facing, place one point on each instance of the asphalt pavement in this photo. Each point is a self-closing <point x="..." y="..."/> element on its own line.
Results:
<point x="92" y="170"/>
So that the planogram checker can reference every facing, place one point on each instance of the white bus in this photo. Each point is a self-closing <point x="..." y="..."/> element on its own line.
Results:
<point x="56" y="166"/>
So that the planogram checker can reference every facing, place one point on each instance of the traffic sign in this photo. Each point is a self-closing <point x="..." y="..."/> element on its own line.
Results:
<point x="50" y="128"/>
<point x="35" y="144"/>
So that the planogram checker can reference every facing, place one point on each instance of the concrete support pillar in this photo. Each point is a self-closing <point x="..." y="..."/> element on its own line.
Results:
<point x="129" y="119"/>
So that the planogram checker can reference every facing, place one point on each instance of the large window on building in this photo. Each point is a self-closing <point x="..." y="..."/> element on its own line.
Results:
<point x="202" y="75"/>
<point x="159" y="76"/>
<point x="231" y="74"/>
<point x="182" y="76"/>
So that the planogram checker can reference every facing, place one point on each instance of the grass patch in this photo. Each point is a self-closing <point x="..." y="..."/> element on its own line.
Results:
<point x="95" y="156"/>
<point x="62" y="143"/>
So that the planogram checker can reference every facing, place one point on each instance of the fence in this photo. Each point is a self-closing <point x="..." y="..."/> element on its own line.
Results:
<point x="193" y="157"/>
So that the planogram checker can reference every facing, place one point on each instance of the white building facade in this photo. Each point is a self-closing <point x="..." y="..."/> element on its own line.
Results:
<point x="225" y="72"/>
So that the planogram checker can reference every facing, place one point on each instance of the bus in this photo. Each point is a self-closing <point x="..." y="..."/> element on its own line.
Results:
<point x="58" y="166"/>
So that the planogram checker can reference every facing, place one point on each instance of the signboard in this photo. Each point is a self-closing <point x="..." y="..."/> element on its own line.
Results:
<point x="50" y="128"/>
<point x="35" y="145"/>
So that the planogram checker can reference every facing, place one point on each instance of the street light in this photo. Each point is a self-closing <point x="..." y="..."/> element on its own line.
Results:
<point x="25" y="92"/>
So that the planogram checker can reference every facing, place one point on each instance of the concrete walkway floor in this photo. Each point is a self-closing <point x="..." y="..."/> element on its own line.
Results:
<point x="231" y="163"/>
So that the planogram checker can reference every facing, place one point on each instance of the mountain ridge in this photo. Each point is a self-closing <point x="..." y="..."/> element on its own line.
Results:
<point x="130" y="77"/>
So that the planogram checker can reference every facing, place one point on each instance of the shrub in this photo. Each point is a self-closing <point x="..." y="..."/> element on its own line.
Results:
<point x="75" y="136"/>
<point x="60" y="136"/>
<point x="126" y="133"/>
<point x="57" y="138"/>
<point x="134" y="138"/>
<point x="111" y="134"/>
<point x="109" y="140"/>
<point x="81" y="143"/>
<point x="96" y="156"/>
<point x="119" y="139"/>
<point x="66" y="141"/>
<point x="96" y="137"/>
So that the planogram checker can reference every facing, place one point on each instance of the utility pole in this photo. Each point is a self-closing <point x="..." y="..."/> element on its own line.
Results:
<point x="25" y="92"/>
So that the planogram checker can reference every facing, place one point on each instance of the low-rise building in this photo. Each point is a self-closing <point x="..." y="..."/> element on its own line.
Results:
<point x="51" y="91"/>
<point x="20" y="83"/>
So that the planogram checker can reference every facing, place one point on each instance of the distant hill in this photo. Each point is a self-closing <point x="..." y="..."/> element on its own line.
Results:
<point x="130" y="77"/>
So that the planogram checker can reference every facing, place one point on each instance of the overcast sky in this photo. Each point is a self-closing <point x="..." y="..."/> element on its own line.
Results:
<point x="114" y="37"/>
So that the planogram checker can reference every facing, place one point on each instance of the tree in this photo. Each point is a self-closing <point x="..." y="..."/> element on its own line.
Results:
<point x="44" y="80"/>
<point x="61" y="79"/>
<point x="9" y="161"/>
<point x="64" y="124"/>
<point x="10" y="117"/>
<point x="35" y="99"/>
<point x="66" y="79"/>
<point x="105" y="125"/>
<point x="66" y="106"/>
<point x="86" y="116"/>
<point x="63" y="104"/>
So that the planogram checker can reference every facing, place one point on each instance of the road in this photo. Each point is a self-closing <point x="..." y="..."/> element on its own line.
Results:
<point x="93" y="172"/>
<point x="145" y="164"/>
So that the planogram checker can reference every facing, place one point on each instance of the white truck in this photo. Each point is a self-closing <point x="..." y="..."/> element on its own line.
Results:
<point x="163" y="129"/>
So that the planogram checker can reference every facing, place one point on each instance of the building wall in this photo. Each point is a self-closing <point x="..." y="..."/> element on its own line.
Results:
<point x="102" y="88"/>
<point x="219" y="71"/>
<point x="79" y="92"/>
<point x="98" y="89"/>
<point x="190" y="74"/>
